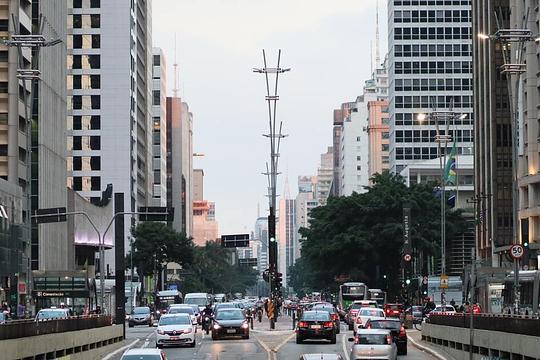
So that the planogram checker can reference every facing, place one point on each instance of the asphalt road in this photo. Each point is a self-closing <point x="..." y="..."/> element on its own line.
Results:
<point x="263" y="344"/>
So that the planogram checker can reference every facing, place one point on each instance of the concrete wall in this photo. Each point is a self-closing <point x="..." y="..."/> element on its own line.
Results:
<point x="487" y="344"/>
<point x="84" y="344"/>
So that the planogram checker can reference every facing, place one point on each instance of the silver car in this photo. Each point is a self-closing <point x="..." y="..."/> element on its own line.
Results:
<point x="373" y="344"/>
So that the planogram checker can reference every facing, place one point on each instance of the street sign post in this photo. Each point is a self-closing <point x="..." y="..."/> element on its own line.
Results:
<point x="50" y="215"/>
<point x="247" y="262"/>
<point x="444" y="282"/>
<point x="235" y="240"/>
<point x="407" y="257"/>
<point x="517" y="251"/>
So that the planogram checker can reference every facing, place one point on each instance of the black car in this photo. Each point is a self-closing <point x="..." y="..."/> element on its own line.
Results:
<point x="230" y="322"/>
<point x="333" y="314"/>
<point x="315" y="325"/>
<point x="396" y="329"/>
<point x="141" y="316"/>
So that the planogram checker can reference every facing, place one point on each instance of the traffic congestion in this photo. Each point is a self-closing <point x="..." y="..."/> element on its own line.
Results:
<point x="204" y="326"/>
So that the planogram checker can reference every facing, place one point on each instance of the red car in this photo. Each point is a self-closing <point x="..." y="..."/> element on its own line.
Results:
<point x="393" y="310"/>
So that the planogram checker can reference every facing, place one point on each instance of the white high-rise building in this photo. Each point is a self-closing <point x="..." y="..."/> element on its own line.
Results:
<point x="430" y="68"/>
<point x="159" y="128"/>
<point x="261" y="235"/>
<point x="325" y="176"/>
<point x="109" y="83"/>
<point x="286" y="234"/>
<point x="305" y="202"/>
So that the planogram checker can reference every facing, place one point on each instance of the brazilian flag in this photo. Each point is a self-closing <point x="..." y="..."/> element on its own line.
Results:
<point x="450" y="176"/>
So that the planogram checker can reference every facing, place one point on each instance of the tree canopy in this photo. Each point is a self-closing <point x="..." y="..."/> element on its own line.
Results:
<point x="361" y="236"/>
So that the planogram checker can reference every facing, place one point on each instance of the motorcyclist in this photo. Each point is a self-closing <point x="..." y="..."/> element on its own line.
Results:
<point x="207" y="313"/>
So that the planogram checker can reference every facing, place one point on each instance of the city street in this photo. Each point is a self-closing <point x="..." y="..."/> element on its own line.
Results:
<point x="263" y="344"/>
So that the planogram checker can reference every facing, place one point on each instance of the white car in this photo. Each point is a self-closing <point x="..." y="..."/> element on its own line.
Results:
<point x="147" y="354"/>
<point x="443" y="310"/>
<point x="183" y="309"/>
<point x="364" y="314"/>
<point x="175" y="329"/>
<point x="373" y="344"/>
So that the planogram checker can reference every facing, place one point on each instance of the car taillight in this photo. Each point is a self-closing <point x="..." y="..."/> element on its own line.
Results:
<point x="302" y="324"/>
<point x="402" y="332"/>
<point x="334" y="316"/>
<point x="328" y="324"/>
<point x="389" y="339"/>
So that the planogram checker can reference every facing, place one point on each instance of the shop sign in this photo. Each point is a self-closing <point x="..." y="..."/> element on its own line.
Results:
<point x="22" y="288"/>
<point x="60" y="294"/>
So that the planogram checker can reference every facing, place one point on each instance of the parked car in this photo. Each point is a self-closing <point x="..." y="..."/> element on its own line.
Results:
<point x="141" y="315"/>
<point x="143" y="354"/>
<point x="393" y="310"/>
<point x="364" y="314"/>
<point x="52" y="314"/>
<point x="230" y="322"/>
<point x="183" y="309"/>
<point x="315" y="325"/>
<point x="396" y="329"/>
<point x="373" y="344"/>
<point x="333" y="314"/>
<point x="175" y="329"/>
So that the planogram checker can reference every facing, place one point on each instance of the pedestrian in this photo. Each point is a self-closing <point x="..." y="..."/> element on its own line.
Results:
<point x="453" y="303"/>
<point x="21" y="311"/>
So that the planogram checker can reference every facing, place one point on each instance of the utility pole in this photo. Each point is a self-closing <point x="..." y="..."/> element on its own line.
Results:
<point x="275" y="135"/>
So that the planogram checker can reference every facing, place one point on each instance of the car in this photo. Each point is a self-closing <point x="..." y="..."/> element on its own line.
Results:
<point x="230" y="322"/>
<point x="320" y="356"/>
<point x="220" y="297"/>
<point x="3" y="318"/>
<point x="143" y="354"/>
<point x="52" y="314"/>
<point x="196" y="311"/>
<point x="373" y="344"/>
<point x="183" y="309"/>
<point x="417" y="313"/>
<point x="141" y="315"/>
<point x="175" y="329"/>
<point x="227" y="305"/>
<point x="393" y="310"/>
<point x="333" y="314"/>
<point x="396" y="329"/>
<point x="442" y="310"/>
<point x="200" y="299"/>
<point x="352" y="311"/>
<point x="315" y="324"/>
<point x="364" y="314"/>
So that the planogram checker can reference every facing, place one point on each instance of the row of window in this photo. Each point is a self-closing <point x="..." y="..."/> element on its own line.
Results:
<point x="85" y="183"/>
<point x="84" y="163"/>
<point x="84" y="4"/>
<point x="84" y="122"/>
<point x="432" y="33"/>
<point x="84" y="102"/>
<point x="83" y="62"/>
<point x="83" y="21"/>
<point x="411" y="119"/>
<point x="449" y="101"/>
<point x="431" y="2"/>
<point x="426" y="136"/>
<point x="424" y="153"/>
<point x="84" y="41"/>
<point x="433" y="85"/>
<point x="431" y="16"/>
<point x="426" y="179"/>
<point x="83" y="82"/>
<point x="439" y="50"/>
<point x="84" y="143"/>
<point x="433" y="67"/>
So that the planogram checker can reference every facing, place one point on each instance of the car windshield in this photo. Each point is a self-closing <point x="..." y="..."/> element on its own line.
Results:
<point x="369" y="312"/>
<point x="198" y="301"/>
<point x="372" y="339"/>
<point x="416" y="308"/>
<point x="51" y="314"/>
<point x="356" y="306"/>
<point x="385" y="324"/>
<point x="141" y="357"/>
<point x="181" y="310"/>
<point x="324" y="308"/>
<point x="229" y="314"/>
<point x="175" y="320"/>
<point x="141" y="310"/>
<point x="226" y="306"/>
<point x="316" y="316"/>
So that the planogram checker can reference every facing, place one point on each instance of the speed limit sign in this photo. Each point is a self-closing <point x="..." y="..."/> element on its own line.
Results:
<point x="516" y="251"/>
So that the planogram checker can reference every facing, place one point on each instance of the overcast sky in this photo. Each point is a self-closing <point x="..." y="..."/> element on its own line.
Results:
<point x="218" y="42"/>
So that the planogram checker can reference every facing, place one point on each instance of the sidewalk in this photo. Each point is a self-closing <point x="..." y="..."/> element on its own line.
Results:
<point x="415" y="338"/>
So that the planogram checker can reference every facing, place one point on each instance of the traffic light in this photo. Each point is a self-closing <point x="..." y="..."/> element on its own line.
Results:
<point x="279" y="280"/>
<point x="407" y="281"/>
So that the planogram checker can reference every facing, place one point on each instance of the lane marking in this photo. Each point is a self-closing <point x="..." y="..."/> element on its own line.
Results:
<point x="266" y="348"/>
<point x="344" y="340"/>
<point x="426" y="349"/>
<point x="276" y="349"/>
<point x="120" y="349"/>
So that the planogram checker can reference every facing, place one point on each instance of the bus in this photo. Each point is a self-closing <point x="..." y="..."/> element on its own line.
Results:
<point x="378" y="295"/>
<point x="529" y="289"/>
<point x="167" y="297"/>
<point x="351" y="291"/>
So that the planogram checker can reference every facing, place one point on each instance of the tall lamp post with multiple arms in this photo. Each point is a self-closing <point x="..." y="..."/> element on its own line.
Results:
<point x="442" y="117"/>
<point x="275" y="135"/>
<point x="513" y="67"/>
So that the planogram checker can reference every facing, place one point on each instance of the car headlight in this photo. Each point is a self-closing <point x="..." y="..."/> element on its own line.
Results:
<point x="160" y="332"/>
<point x="245" y="325"/>
<point x="216" y="326"/>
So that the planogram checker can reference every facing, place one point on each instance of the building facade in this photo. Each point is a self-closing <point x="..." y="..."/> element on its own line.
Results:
<point x="325" y="176"/>
<point x="159" y="128"/>
<point x="378" y="131"/>
<point x="430" y="68"/>
<point x="109" y="137"/>
<point x="261" y="235"/>
<point x="286" y="236"/>
<point x="305" y="202"/>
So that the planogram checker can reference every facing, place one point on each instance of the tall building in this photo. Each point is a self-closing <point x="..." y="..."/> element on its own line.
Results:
<point x="198" y="185"/>
<point x="337" y="132"/>
<point x="325" y="176"/>
<point x="524" y="14"/>
<point x="261" y="234"/>
<point x="305" y="202"/>
<point x="286" y="236"/>
<point x="493" y="135"/>
<point x="109" y="116"/>
<point x="378" y="131"/>
<point x="430" y="68"/>
<point x="159" y="128"/>
<point x="180" y="164"/>
<point x="205" y="226"/>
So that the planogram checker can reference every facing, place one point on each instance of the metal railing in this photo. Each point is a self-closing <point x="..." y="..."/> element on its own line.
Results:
<point x="24" y="328"/>
<point x="514" y="324"/>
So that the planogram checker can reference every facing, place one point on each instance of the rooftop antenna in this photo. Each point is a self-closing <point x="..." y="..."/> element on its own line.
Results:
<point x="377" y="54"/>
<point x="175" y="66"/>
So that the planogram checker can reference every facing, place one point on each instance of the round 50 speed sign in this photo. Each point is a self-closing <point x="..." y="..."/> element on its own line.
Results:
<point x="516" y="251"/>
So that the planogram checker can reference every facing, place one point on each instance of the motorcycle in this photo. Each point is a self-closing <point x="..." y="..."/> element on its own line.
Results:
<point x="207" y="321"/>
<point x="259" y="314"/>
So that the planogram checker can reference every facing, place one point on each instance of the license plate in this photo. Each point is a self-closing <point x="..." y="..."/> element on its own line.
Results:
<point x="231" y="331"/>
<point x="315" y="326"/>
<point x="175" y="338"/>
